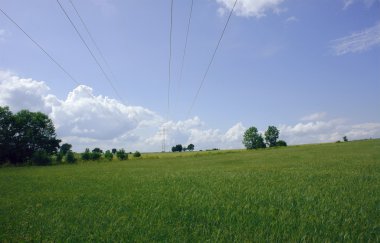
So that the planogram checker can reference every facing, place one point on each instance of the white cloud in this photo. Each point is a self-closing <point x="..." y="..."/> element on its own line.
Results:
<point x="86" y="120"/>
<point x="357" y="42"/>
<point x="367" y="3"/>
<point x="314" y="116"/>
<point x="251" y="8"/>
<point x="292" y="19"/>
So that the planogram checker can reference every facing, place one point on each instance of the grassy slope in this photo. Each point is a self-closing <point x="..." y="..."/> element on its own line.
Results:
<point x="311" y="192"/>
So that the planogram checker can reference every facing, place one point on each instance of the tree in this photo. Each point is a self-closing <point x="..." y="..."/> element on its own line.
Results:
<point x="40" y="158"/>
<point x="174" y="149"/>
<point x="114" y="151"/>
<point x="97" y="150"/>
<point x="70" y="158"/>
<point x="190" y="147"/>
<point x="137" y="154"/>
<point x="271" y="136"/>
<point x="177" y="148"/>
<point x="281" y="143"/>
<point x="66" y="147"/>
<point x="86" y="155"/>
<point x="345" y="139"/>
<point x="253" y="139"/>
<point x="108" y="155"/>
<point x="121" y="154"/>
<point x="25" y="133"/>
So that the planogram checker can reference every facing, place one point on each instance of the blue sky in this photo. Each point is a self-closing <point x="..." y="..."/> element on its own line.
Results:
<point x="309" y="67"/>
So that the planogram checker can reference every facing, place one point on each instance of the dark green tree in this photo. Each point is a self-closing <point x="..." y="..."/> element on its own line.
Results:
<point x="108" y="155"/>
<point x="281" y="143"/>
<point x="190" y="147"/>
<point x="252" y="139"/>
<point x="271" y="136"/>
<point x="345" y="139"/>
<point x="121" y="154"/>
<point x="137" y="154"/>
<point x="66" y="147"/>
<point x="114" y="151"/>
<point x="97" y="150"/>
<point x="70" y="157"/>
<point x="25" y="133"/>
<point x="86" y="155"/>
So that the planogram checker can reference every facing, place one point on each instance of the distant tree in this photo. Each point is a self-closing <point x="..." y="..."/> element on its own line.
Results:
<point x="121" y="154"/>
<point x="252" y="139"/>
<point x="174" y="149"/>
<point x="345" y="139"/>
<point x="66" y="147"/>
<point x="190" y="147"/>
<point x="59" y="157"/>
<point x="281" y="143"/>
<point x="184" y="148"/>
<point x="95" y="155"/>
<point x="86" y="155"/>
<point x="70" y="157"/>
<point x="178" y="148"/>
<point x="108" y="155"/>
<point x="271" y="136"/>
<point x="114" y="151"/>
<point x="137" y="154"/>
<point x="97" y="150"/>
<point x="24" y="134"/>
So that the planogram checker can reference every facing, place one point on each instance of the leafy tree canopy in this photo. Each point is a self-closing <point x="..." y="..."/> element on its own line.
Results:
<point x="252" y="139"/>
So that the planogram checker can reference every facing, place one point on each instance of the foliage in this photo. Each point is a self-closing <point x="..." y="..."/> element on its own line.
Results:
<point x="114" y="151"/>
<point x="97" y="150"/>
<point x="137" y="154"/>
<point x="95" y="155"/>
<point x="177" y="148"/>
<point x="59" y="157"/>
<point x="252" y="139"/>
<point x="271" y="136"/>
<point x="311" y="193"/>
<point x="86" y="155"/>
<point x="41" y="158"/>
<point x="121" y="154"/>
<point x="281" y="143"/>
<point x="66" y="147"/>
<point x="190" y="147"/>
<point x="345" y="139"/>
<point x="70" y="158"/>
<point x="25" y="133"/>
<point x="108" y="155"/>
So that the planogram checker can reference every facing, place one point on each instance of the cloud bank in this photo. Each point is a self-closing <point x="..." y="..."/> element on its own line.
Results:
<point x="88" y="120"/>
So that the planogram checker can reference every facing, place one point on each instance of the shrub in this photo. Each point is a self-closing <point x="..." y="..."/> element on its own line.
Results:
<point x="86" y="155"/>
<point x="121" y="155"/>
<point x="137" y="154"/>
<point x="281" y="143"/>
<point x="70" y="158"/>
<point x="95" y="155"/>
<point x="59" y="158"/>
<point x="108" y="155"/>
<point x="41" y="158"/>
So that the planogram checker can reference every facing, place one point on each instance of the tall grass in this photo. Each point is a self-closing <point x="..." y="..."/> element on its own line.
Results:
<point x="327" y="192"/>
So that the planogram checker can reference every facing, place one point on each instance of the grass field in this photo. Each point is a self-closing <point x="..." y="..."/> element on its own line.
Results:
<point x="326" y="192"/>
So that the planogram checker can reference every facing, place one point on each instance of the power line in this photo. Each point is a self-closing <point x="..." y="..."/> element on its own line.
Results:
<point x="89" y="50"/>
<point x="187" y="35"/>
<point x="41" y="48"/>
<point x="92" y="39"/>
<point x="212" y="59"/>
<point x="169" y="74"/>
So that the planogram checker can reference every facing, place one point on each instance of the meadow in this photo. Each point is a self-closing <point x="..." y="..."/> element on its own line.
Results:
<point x="323" y="192"/>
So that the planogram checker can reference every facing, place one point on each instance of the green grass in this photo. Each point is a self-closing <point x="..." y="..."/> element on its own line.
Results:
<point x="326" y="192"/>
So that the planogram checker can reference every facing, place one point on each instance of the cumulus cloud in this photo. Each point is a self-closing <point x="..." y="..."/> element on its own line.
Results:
<point x="251" y="8"/>
<point x="357" y="42"/>
<point x="84" y="119"/>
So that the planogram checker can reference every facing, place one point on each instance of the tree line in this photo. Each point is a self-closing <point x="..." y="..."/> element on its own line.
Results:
<point x="180" y="148"/>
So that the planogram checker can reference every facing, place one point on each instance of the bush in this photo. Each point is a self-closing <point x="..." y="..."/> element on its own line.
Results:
<point x="121" y="155"/>
<point x="41" y="158"/>
<point x="86" y="155"/>
<point x="281" y="143"/>
<point x="95" y="155"/>
<point x="108" y="155"/>
<point x="59" y="158"/>
<point x="70" y="158"/>
<point x="137" y="154"/>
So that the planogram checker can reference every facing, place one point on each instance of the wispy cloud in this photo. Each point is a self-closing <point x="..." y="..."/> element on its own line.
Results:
<point x="314" y="117"/>
<point x="357" y="42"/>
<point x="251" y="8"/>
<point x="292" y="19"/>
<point x="367" y="3"/>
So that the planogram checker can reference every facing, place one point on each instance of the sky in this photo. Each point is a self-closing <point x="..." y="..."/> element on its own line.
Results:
<point x="310" y="68"/>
